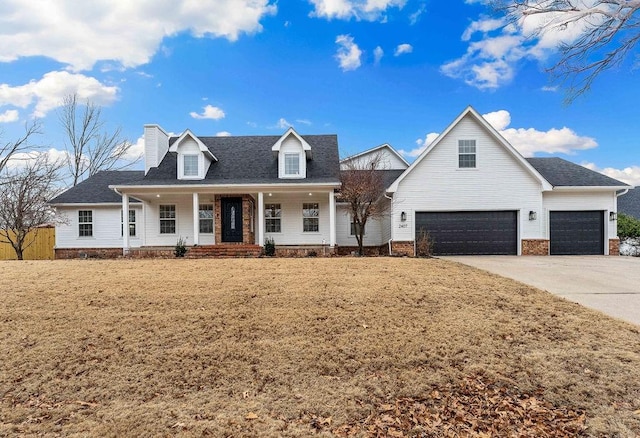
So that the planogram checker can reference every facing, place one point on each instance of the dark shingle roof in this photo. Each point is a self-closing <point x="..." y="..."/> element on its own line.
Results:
<point x="629" y="203"/>
<point x="249" y="160"/>
<point x="561" y="173"/>
<point x="95" y="189"/>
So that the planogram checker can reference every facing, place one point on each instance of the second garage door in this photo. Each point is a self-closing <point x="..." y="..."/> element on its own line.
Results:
<point x="470" y="232"/>
<point x="576" y="232"/>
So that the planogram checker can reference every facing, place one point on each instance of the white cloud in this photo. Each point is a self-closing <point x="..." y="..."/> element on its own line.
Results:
<point x="402" y="49"/>
<point x="629" y="175"/>
<point x="283" y="124"/>
<point x="136" y="150"/>
<point x="209" y="112"/>
<point x="49" y="92"/>
<point x="378" y="53"/>
<point x="369" y="10"/>
<point x="9" y="116"/>
<point x="551" y="89"/>
<point x="128" y="32"/>
<point x="497" y="45"/>
<point x="415" y="17"/>
<point x="23" y="159"/>
<point x="527" y="141"/>
<point x="348" y="54"/>
<point x="223" y="134"/>
<point x="422" y="145"/>
<point x="304" y="122"/>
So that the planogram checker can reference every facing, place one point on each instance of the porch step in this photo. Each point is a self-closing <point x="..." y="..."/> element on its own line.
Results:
<point x="225" y="250"/>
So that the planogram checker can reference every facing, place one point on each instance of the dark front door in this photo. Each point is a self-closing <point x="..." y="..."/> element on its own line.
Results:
<point x="470" y="232"/>
<point x="232" y="219"/>
<point x="576" y="232"/>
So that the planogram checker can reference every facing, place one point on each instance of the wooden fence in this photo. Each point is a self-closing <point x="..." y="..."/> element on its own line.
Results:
<point x="40" y="249"/>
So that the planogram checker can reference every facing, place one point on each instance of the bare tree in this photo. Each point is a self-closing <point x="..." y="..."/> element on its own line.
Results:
<point x="600" y="34"/>
<point x="24" y="193"/>
<point x="10" y="149"/>
<point x="363" y="189"/>
<point x="91" y="148"/>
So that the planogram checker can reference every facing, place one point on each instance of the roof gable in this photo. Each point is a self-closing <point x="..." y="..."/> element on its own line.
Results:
<point x="384" y="149"/>
<point x="306" y="147"/>
<point x="187" y="134"/>
<point x="500" y="140"/>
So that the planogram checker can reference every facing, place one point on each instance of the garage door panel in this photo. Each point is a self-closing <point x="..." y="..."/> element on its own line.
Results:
<point x="576" y="232"/>
<point x="477" y="232"/>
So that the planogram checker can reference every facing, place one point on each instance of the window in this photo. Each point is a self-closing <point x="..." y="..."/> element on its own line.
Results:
<point x="310" y="219"/>
<point x="272" y="213"/>
<point x="167" y="219"/>
<point x="291" y="164"/>
<point x="205" y="214"/>
<point x="355" y="228"/>
<point x="190" y="163"/>
<point x="466" y="154"/>
<point x="85" y="223"/>
<point x="132" y="223"/>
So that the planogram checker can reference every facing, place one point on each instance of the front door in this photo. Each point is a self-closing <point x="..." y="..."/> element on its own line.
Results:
<point x="232" y="219"/>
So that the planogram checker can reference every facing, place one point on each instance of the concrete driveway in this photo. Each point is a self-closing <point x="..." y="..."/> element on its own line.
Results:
<point x="608" y="284"/>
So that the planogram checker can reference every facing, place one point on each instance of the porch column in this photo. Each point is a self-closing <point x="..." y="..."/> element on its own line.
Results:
<point x="332" y="219"/>
<point x="196" y="218"/>
<point x="125" y="224"/>
<point x="260" y="234"/>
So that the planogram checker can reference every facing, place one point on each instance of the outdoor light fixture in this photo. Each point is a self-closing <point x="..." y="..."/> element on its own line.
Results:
<point x="403" y="217"/>
<point x="613" y="216"/>
<point x="532" y="215"/>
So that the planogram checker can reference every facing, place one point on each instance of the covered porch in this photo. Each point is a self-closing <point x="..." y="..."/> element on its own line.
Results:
<point x="296" y="218"/>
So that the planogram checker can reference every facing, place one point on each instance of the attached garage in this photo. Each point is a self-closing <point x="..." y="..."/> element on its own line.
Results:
<point x="470" y="232"/>
<point x="576" y="232"/>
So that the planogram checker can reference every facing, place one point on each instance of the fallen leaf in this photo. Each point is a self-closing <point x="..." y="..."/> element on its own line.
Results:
<point x="251" y="416"/>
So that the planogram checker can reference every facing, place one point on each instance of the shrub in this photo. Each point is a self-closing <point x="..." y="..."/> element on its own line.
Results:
<point x="180" y="249"/>
<point x="269" y="247"/>
<point x="628" y="226"/>
<point x="424" y="244"/>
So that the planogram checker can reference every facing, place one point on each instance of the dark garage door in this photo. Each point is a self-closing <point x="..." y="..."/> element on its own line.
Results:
<point x="576" y="232"/>
<point x="470" y="232"/>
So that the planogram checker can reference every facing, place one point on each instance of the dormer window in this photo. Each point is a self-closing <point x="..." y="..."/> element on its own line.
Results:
<point x="190" y="165"/>
<point x="291" y="164"/>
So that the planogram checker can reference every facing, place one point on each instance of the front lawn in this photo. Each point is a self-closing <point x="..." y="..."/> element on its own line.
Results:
<point x="295" y="347"/>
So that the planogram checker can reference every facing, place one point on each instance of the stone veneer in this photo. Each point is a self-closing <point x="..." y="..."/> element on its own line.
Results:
<point x="88" y="253"/>
<point x="381" y="250"/>
<point x="402" y="248"/>
<point x="538" y="247"/>
<point x="305" y="251"/>
<point x="248" y="212"/>
<point x="614" y="247"/>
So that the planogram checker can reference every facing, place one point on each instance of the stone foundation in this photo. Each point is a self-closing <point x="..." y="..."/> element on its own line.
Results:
<point x="152" y="253"/>
<point x="402" y="248"/>
<point x="305" y="251"/>
<point x="369" y="251"/>
<point x="88" y="253"/>
<point x="539" y="247"/>
<point x="614" y="247"/>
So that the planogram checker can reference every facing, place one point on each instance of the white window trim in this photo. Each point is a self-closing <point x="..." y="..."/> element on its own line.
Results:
<point x="175" y="220"/>
<point x="292" y="175"/>
<point x="311" y="217"/>
<point x="92" y="223"/>
<point x="475" y="154"/>
<point x="200" y="219"/>
<point x="181" y="174"/>
<point x="135" y="223"/>
<point x="274" y="218"/>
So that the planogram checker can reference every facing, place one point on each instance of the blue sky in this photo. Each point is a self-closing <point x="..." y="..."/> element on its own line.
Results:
<point x="370" y="71"/>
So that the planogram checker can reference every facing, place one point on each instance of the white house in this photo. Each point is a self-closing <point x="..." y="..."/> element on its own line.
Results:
<point x="470" y="191"/>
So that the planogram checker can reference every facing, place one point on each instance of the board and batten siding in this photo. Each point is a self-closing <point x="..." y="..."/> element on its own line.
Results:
<point x="583" y="201"/>
<point x="373" y="230"/>
<point x="498" y="182"/>
<point x="107" y="231"/>
<point x="291" y="219"/>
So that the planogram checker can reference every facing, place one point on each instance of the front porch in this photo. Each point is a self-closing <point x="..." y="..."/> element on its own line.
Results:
<point x="299" y="222"/>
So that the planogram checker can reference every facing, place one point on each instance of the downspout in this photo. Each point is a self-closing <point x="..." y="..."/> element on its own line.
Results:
<point x="390" y="221"/>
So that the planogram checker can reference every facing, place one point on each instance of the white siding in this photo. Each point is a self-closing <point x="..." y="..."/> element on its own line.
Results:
<point x="188" y="146"/>
<point x="156" y="145"/>
<point x="184" y="222"/>
<point x="292" y="145"/>
<point x="577" y="201"/>
<point x="106" y="228"/>
<point x="291" y="219"/>
<point x="499" y="182"/>
<point x="388" y="160"/>
<point x="373" y="229"/>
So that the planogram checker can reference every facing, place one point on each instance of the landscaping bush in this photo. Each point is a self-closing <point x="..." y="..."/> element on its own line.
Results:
<point x="180" y="249"/>
<point x="269" y="247"/>
<point x="628" y="226"/>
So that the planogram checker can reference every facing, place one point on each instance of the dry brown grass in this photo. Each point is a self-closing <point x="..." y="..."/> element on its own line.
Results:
<point x="267" y="347"/>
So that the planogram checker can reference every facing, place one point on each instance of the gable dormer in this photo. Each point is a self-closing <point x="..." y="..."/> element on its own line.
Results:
<point x="194" y="158"/>
<point x="293" y="152"/>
